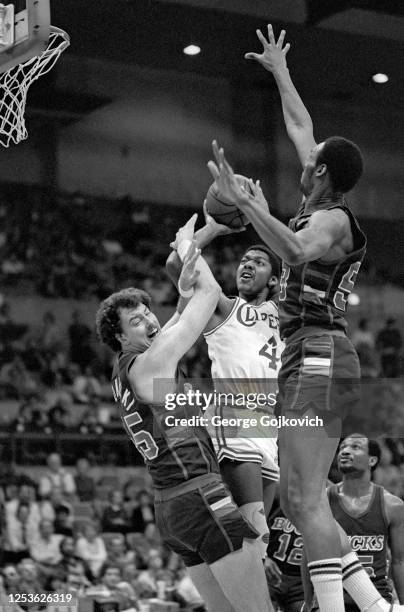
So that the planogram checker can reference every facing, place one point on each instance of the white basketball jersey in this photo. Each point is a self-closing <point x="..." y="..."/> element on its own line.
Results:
<point x="247" y="345"/>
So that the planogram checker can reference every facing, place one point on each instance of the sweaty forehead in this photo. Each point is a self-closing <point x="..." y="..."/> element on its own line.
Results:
<point x="256" y="253"/>
<point x="131" y="311"/>
<point x="362" y="442"/>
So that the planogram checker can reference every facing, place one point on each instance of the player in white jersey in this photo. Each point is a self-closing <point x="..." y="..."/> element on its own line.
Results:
<point x="245" y="348"/>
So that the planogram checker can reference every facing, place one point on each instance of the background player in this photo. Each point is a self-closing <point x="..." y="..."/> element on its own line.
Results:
<point x="195" y="513"/>
<point x="372" y="517"/>
<point x="285" y="553"/>
<point x="245" y="348"/>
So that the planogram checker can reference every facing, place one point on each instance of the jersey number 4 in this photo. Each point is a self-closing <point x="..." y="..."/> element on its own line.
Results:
<point x="142" y="439"/>
<point x="269" y="351"/>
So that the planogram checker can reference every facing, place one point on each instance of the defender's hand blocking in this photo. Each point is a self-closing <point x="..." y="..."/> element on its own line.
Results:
<point x="273" y="56"/>
<point x="224" y="176"/>
<point x="228" y="185"/>
<point x="186" y="232"/>
<point x="189" y="274"/>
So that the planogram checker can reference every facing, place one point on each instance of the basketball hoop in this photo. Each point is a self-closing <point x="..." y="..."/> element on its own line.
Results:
<point x="14" y="84"/>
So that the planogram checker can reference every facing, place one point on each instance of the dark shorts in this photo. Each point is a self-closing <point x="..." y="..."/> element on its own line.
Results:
<point x="289" y="592"/>
<point x="204" y="524"/>
<point x="319" y="372"/>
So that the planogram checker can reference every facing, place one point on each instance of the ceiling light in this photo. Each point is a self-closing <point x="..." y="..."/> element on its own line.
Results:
<point x="380" y="77"/>
<point x="192" y="50"/>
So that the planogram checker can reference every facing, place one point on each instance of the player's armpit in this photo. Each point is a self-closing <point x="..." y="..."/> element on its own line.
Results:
<point x="325" y="230"/>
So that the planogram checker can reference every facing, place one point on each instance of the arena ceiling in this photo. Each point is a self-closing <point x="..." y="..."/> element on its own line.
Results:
<point x="336" y="44"/>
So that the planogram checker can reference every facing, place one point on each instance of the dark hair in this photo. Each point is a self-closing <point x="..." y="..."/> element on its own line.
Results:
<point x="344" y="162"/>
<point x="108" y="566"/>
<point x="273" y="259"/>
<point x="374" y="449"/>
<point x="107" y="319"/>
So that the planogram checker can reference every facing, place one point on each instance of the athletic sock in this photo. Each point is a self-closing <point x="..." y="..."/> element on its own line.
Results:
<point x="357" y="583"/>
<point x="326" y="576"/>
<point x="254" y="513"/>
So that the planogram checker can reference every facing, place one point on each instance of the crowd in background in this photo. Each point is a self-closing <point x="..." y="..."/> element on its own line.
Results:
<point x="65" y="532"/>
<point x="76" y="246"/>
<point x="68" y="533"/>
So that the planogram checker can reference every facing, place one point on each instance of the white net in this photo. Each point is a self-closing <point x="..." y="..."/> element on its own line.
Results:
<point x="14" y="84"/>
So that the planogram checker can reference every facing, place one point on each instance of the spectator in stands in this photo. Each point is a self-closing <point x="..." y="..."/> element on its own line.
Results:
<point x="110" y="588"/>
<point x="56" y="501"/>
<point x="30" y="581"/>
<point x="186" y="590"/>
<point x="148" y="578"/>
<point x="19" y="534"/>
<point x="51" y="338"/>
<point x="80" y="335"/>
<point x="63" y="521"/>
<point x="86" y="387"/>
<point x="114" y="518"/>
<point x="388" y="344"/>
<point x="387" y="474"/>
<point x="70" y="562"/>
<point x="56" y="477"/>
<point x="364" y="342"/>
<point x="91" y="548"/>
<point x="26" y="495"/>
<point x="45" y="549"/>
<point x="118" y="553"/>
<point x="85" y="484"/>
<point x="11" y="579"/>
<point x="144" y="513"/>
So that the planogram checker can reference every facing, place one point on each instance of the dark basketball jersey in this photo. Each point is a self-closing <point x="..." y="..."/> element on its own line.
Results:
<point x="173" y="455"/>
<point x="316" y="293"/>
<point x="367" y="534"/>
<point x="285" y="544"/>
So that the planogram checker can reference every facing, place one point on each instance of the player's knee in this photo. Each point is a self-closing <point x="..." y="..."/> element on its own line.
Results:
<point x="298" y="505"/>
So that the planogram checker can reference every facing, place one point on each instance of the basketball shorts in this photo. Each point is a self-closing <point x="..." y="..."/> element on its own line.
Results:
<point x="202" y="524"/>
<point x="290" y="591"/>
<point x="243" y="435"/>
<point x="319" y="372"/>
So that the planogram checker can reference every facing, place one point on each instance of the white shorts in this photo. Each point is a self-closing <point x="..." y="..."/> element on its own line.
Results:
<point x="241" y="435"/>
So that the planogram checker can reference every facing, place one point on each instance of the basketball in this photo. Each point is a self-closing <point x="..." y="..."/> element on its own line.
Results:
<point x="224" y="211"/>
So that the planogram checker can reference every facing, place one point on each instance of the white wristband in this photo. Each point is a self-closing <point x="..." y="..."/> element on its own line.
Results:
<point x="183" y="247"/>
<point x="185" y="294"/>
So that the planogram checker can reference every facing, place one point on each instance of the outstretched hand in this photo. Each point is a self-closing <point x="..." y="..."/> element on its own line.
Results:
<point x="228" y="184"/>
<point x="224" y="176"/>
<point x="186" y="232"/>
<point x="273" y="56"/>
<point x="189" y="274"/>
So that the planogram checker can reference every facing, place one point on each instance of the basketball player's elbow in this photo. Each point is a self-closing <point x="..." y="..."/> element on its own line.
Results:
<point x="295" y="254"/>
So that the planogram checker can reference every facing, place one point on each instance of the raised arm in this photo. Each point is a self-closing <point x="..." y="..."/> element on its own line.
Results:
<point x="203" y="237"/>
<point x="298" y="122"/>
<point x="161" y="358"/>
<point x="325" y="229"/>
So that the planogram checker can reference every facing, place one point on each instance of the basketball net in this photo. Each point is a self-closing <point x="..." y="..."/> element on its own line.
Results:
<point x="14" y="84"/>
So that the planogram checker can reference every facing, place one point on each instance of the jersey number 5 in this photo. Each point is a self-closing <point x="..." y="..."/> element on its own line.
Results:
<point x="346" y="285"/>
<point x="142" y="439"/>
